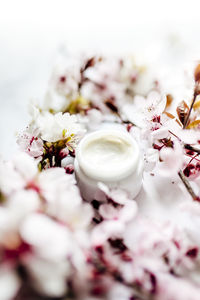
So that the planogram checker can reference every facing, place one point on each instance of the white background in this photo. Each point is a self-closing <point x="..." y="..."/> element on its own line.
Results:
<point x="32" y="31"/>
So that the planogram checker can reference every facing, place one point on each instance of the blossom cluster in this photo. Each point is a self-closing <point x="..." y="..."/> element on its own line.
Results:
<point x="56" y="245"/>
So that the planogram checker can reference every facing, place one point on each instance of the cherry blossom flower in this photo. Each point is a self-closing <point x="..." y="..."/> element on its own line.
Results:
<point x="102" y="82"/>
<point x="115" y="214"/>
<point x="143" y="110"/>
<point x="50" y="264"/>
<point x="18" y="173"/>
<point x="172" y="160"/>
<point x="63" y="84"/>
<point x="50" y="147"/>
<point x="49" y="200"/>
<point x="30" y="142"/>
<point x="57" y="127"/>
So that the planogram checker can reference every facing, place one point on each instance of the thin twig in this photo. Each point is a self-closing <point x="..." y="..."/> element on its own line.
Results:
<point x="191" y="107"/>
<point x="194" y="157"/>
<point x="189" y="147"/>
<point x="174" y="135"/>
<point x="188" y="186"/>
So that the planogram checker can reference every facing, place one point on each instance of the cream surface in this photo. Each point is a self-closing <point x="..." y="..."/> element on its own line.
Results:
<point x="107" y="152"/>
<point x="107" y="155"/>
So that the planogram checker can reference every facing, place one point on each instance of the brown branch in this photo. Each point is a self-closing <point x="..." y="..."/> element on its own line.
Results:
<point x="191" y="107"/>
<point x="188" y="186"/>
<point x="187" y="146"/>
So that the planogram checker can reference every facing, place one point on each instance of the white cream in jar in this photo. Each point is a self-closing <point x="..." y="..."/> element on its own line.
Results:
<point x="109" y="156"/>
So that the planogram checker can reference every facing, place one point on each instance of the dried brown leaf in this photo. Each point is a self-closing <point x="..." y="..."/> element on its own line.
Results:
<point x="197" y="73"/>
<point x="182" y="111"/>
<point x="196" y="104"/>
<point x="169" y="101"/>
<point x="193" y="124"/>
<point x="172" y="117"/>
<point x="169" y="115"/>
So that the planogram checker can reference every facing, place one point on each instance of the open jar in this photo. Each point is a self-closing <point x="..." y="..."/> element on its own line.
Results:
<point x="109" y="156"/>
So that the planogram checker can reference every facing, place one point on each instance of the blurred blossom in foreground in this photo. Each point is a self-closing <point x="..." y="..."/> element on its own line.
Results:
<point x="55" y="245"/>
